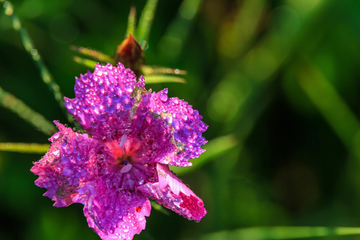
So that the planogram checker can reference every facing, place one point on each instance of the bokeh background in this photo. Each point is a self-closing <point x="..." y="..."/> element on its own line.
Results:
<point x="277" y="81"/>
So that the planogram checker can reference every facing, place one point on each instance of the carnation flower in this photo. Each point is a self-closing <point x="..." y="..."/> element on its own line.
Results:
<point x="132" y="135"/>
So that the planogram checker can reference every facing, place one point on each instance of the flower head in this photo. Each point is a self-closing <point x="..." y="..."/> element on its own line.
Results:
<point x="132" y="136"/>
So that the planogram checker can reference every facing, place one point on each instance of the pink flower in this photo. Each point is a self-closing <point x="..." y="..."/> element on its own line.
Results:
<point x="132" y="136"/>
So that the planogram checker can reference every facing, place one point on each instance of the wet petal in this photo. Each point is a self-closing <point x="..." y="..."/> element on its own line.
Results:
<point x="67" y="166"/>
<point x="173" y="194"/>
<point x="103" y="100"/>
<point x="114" y="213"/>
<point x="186" y="125"/>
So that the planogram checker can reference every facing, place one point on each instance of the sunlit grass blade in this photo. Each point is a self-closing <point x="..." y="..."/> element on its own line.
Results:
<point x="145" y="21"/>
<point x="24" y="147"/>
<point x="330" y="104"/>
<point x="159" y="208"/>
<point x="29" y="47"/>
<point x="172" y="42"/>
<point x="131" y="23"/>
<point x="262" y="233"/>
<point x="19" y="107"/>
<point x="149" y="70"/>
<point x="243" y="27"/>
<point x="94" y="54"/>
<point x="151" y="79"/>
<point x="213" y="148"/>
<point x="86" y="62"/>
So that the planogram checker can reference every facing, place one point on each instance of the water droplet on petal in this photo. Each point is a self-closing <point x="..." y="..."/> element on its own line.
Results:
<point x="64" y="159"/>
<point x="126" y="168"/>
<point x="67" y="171"/>
<point x="56" y="153"/>
<point x="128" y="88"/>
<point x="110" y="109"/>
<point x="163" y="97"/>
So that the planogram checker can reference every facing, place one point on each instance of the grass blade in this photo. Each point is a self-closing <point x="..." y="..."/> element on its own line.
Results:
<point x="172" y="42"/>
<point x="94" y="54"/>
<point x="146" y="20"/>
<point x="214" y="148"/>
<point x="330" y="104"/>
<point x="131" y="23"/>
<point x="29" y="47"/>
<point x="159" y="208"/>
<point x="86" y="62"/>
<point x="260" y="233"/>
<point x="19" y="107"/>
<point x="151" y="79"/>
<point x="24" y="147"/>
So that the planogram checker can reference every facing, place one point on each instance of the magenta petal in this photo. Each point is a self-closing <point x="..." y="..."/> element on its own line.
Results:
<point x="172" y="193"/>
<point x="186" y="124"/>
<point x="102" y="100"/>
<point x="115" y="213"/>
<point x="66" y="166"/>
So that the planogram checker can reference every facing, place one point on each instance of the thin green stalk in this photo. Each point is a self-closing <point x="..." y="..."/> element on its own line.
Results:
<point x="146" y="20"/>
<point x="214" y="148"/>
<point x="19" y="107"/>
<point x="281" y="232"/>
<point x="330" y="104"/>
<point x="131" y="23"/>
<point x="29" y="47"/>
<point x="172" y="42"/>
<point x="24" y="147"/>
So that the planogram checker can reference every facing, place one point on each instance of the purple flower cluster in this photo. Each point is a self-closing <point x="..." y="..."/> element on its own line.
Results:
<point x="133" y="135"/>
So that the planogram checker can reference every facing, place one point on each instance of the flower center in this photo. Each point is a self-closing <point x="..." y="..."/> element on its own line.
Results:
<point x="124" y="163"/>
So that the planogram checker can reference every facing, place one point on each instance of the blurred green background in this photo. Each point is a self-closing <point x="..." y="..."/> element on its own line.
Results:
<point x="276" y="81"/>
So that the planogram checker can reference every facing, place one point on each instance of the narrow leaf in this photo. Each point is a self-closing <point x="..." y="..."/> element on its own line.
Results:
<point x="172" y="42"/>
<point x="214" y="148"/>
<point x="151" y="79"/>
<point x="260" y="233"/>
<point x="29" y="47"/>
<point x="146" y="20"/>
<point x="24" y="147"/>
<point x="86" y="62"/>
<point x="19" y="107"/>
<point x="94" y="54"/>
<point x="131" y="23"/>
<point x="159" y="208"/>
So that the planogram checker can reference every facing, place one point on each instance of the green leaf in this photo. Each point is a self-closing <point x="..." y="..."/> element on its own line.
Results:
<point x="25" y="112"/>
<point x="146" y="20"/>
<point x="131" y="23"/>
<point x="93" y="53"/>
<point x="24" y="147"/>
<point x="86" y="62"/>
<point x="159" y="208"/>
<point x="151" y="79"/>
<point x="214" y="148"/>
<point x="29" y="47"/>
<point x="260" y="233"/>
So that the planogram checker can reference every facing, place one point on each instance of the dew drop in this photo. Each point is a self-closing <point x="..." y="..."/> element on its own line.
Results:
<point x="126" y="168"/>
<point x="163" y="97"/>
<point x="110" y="109"/>
<point x="128" y="88"/>
<point x="64" y="159"/>
<point x="68" y="104"/>
<point x="56" y="153"/>
<point x="67" y="171"/>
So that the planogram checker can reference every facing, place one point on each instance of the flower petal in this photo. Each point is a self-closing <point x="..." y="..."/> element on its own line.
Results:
<point x="173" y="194"/>
<point x="115" y="213"/>
<point x="153" y="132"/>
<point x="186" y="124"/>
<point x="103" y="100"/>
<point x="67" y="165"/>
